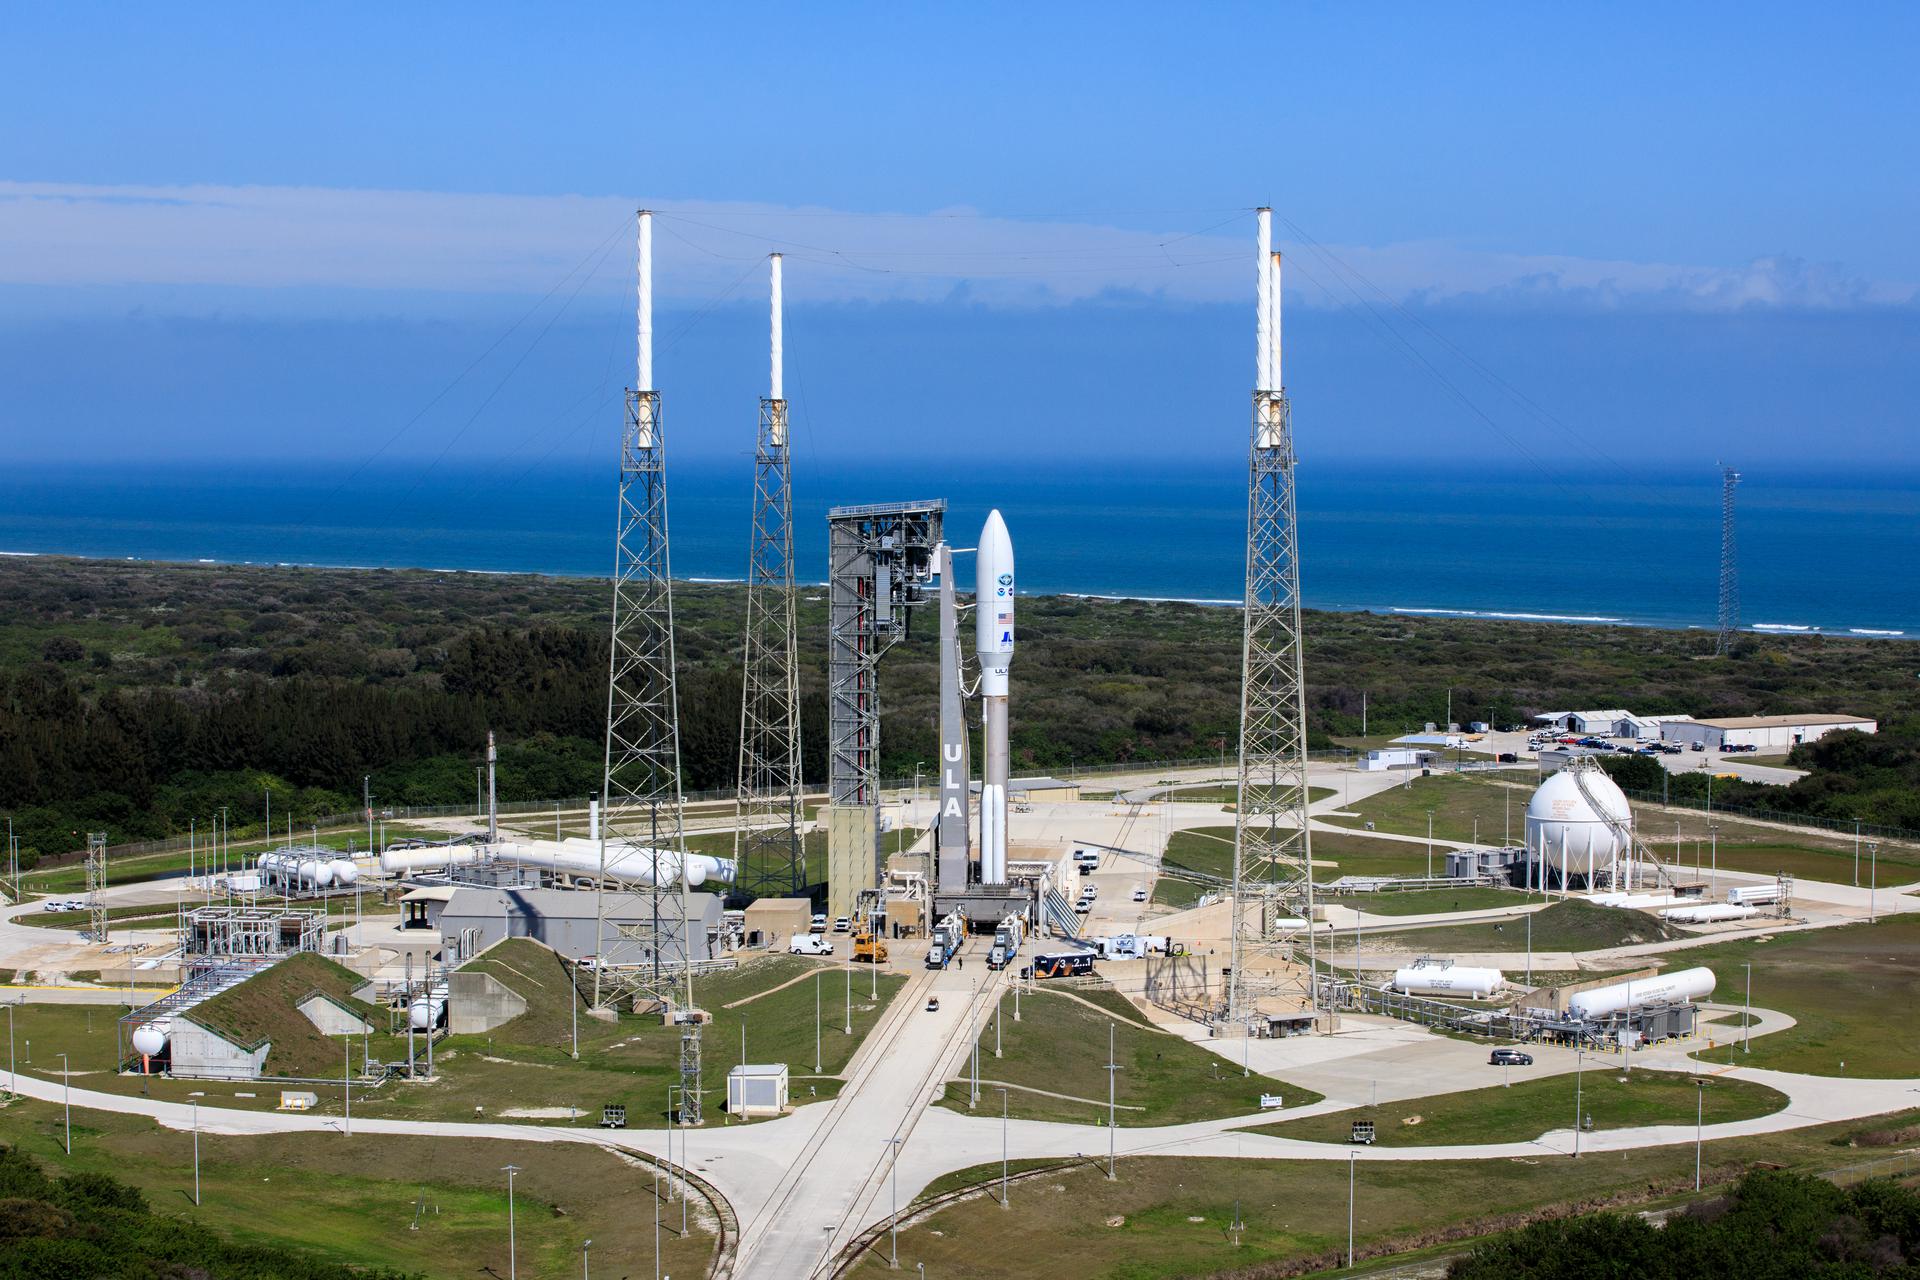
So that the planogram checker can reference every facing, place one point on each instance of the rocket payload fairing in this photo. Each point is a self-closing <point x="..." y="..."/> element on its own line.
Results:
<point x="993" y="645"/>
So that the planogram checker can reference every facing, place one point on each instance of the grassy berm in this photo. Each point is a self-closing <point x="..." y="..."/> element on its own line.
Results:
<point x="1572" y="925"/>
<point x="1059" y="1047"/>
<point x="263" y="1009"/>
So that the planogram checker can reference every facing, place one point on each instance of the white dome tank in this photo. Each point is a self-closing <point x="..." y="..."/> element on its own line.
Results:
<point x="151" y="1038"/>
<point x="1566" y="829"/>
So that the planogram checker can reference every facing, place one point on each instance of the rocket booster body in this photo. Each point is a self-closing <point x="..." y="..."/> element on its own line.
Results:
<point x="993" y="644"/>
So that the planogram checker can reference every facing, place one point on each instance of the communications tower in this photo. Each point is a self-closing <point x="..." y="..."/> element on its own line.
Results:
<point x="767" y="847"/>
<point x="642" y="804"/>
<point x="1272" y="849"/>
<point x="1729" y="566"/>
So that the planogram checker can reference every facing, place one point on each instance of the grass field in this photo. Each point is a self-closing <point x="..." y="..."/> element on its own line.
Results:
<point x="1457" y="800"/>
<point x="1209" y="850"/>
<point x="1229" y="793"/>
<point x="436" y="1206"/>
<point x="1572" y="925"/>
<point x="1060" y="1045"/>
<point x="1531" y="1107"/>
<point x="1852" y="991"/>
<point x="1173" y="1213"/>
<point x="526" y="1065"/>
<point x="1414" y="902"/>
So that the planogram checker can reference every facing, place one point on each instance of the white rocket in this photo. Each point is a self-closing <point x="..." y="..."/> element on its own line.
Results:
<point x="993" y="644"/>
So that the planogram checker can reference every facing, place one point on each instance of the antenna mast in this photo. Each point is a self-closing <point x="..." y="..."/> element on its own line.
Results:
<point x="1729" y="566"/>
<point x="1272" y="852"/>
<point x="767" y="847"/>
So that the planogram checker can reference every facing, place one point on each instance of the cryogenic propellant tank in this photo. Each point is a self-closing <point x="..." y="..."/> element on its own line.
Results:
<point x="1665" y="988"/>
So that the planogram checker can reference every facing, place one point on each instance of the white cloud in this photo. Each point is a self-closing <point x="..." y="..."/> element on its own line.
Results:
<point x="65" y="235"/>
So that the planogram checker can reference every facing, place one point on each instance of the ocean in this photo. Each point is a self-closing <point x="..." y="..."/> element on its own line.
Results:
<point x="1837" y="553"/>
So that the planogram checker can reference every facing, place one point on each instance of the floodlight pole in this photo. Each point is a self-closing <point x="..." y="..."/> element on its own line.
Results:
<point x="1579" y="1065"/>
<point x="1353" y="1160"/>
<point x="1112" y="1123"/>
<point x="512" y="1262"/>
<point x="1003" y="1147"/>
<point x="816" y="1023"/>
<point x="66" y="1093"/>
<point x="1746" y="1029"/>
<point x="893" y="1150"/>
<point x="1699" y="1113"/>
<point x="196" y="1153"/>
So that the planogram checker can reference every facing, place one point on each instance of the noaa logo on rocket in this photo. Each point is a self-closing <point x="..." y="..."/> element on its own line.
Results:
<point x="1006" y="579"/>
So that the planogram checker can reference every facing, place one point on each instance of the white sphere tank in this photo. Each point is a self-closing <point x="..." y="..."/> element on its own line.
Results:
<point x="151" y="1038"/>
<point x="1566" y="830"/>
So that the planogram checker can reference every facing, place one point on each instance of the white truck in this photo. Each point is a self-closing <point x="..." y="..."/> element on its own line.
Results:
<point x="809" y="944"/>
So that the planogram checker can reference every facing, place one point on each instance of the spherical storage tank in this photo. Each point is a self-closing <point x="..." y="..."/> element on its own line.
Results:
<point x="1566" y="829"/>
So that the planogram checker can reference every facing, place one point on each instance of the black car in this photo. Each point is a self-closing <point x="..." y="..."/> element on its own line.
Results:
<point x="1510" y="1058"/>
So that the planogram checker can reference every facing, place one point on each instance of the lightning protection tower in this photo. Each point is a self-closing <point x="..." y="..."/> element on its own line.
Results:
<point x="1729" y="566"/>
<point x="642" y="802"/>
<point x="1272" y="851"/>
<point x="96" y="886"/>
<point x="767" y="848"/>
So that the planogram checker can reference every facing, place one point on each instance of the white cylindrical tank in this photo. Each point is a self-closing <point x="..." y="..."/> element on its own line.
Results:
<point x="150" y="1038"/>
<point x="1568" y="832"/>
<point x="1448" y="980"/>
<point x="426" y="1011"/>
<point x="1665" y="988"/>
<point x="1709" y="913"/>
<point x="344" y="872"/>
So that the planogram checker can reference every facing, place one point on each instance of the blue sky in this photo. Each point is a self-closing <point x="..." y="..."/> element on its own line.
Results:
<point x="1665" y="235"/>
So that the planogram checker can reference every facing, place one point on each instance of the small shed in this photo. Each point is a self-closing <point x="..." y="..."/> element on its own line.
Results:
<point x="757" y="1090"/>
<point x="771" y="921"/>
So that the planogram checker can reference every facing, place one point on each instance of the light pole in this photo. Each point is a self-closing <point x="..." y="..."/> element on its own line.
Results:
<point x="1429" y="859"/>
<point x="584" y="1246"/>
<point x="1713" y="858"/>
<point x="1579" y="1064"/>
<point x="196" y="1147"/>
<point x="816" y="1026"/>
<point x="1746" y="1026"/>
<point x="512" y="1262"/>
<point x="66" y="1096"/>
<point x="1003" y="1147"/>
<point x="1699" y="1113"/>
<point x="848" y="1028"/>
<point x="1873" y="881"/>
<point x="346" y="1078"/>
<point x="13" y="1079"/>
<point x="893" y="1151"/>
<point x="1113" y="1069"/>
<point x="1353" y="1160"/>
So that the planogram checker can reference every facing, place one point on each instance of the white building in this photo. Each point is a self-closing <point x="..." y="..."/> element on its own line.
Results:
<point x="1394" y="758"/>
<point x="757" y="1089"/>
<point x="1766" y="733"/>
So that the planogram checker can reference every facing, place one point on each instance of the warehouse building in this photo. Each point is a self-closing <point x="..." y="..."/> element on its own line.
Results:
<point x="1763" y="733"/>
<point x="472" y="919"/>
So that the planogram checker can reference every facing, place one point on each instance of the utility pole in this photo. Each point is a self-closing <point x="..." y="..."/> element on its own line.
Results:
<point x="513" y="1269"/>
<point x="1112" y="1111"/>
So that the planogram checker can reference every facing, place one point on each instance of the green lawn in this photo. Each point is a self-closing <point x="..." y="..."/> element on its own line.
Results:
<point x="359" y="1200"/>
<point x="1852" y="991"/>
<point x="1060" y="1046"/>
<point x="1456" y="800"/>
<point x="1229" y="793"/>
<point x="1572" y="925"/>
<point x="1493" y="1112"/>
<point x="1415" y="902"/>
<point x="1169" y="1216"/>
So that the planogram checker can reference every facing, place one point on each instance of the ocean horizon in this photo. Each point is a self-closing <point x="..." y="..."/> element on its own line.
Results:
<point x="1835" y="553"/>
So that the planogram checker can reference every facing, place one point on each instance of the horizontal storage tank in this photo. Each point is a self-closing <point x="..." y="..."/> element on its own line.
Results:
<point x="344" y="872"/>
<point x="1709" y="913"/>
<point x="1448" y="980"/>
<point x="1666" y="988"/>
<point x="429" y="1010"/>
<point x="1754" y="895"/>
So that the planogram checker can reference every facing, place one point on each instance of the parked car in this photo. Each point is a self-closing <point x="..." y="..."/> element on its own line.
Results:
<point x="1139" y="893"/>
<point x="1507" y="757"/>
<point x="1697" y="746"/>
<point x="933" y="1004"/>
<point x="841" y="924"/>
<point x="818" y="924"/>
<point x="1509" y="1058"/>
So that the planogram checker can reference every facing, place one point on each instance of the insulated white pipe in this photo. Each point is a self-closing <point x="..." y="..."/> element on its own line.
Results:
<point x="1263" y="307"/>
<point x="777" y="381"/>
<point x="645" y="307"/>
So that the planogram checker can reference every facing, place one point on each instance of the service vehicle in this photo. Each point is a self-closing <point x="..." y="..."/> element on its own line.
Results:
<point x="1139" y="893"/>
<point x="1509" y="1058"/>
<point x="809" y="944"/>
<point x="841" y="924"/>
<point x="1060" y="964"/>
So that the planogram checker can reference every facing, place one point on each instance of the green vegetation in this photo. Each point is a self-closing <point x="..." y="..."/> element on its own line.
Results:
<point x="1572" y="925"/>
<point x="1416" y="902"/>
<point x="1229" y="793"/>
<point x="139" y="696"/>
<point x="261" y="1009"/>
<point x="1457" y="801"/>
<point x="1771" y="1225"/>
<point x="1537" y="1105"/>
<point x="1174" y="1213"/>
<point x="1060" y="1047"/>
<point x="1851" y="991"/>
<point x="319" y="1206"/>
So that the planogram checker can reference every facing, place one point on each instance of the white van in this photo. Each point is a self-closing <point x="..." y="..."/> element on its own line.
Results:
<point x="1139" y="893"/>
<point x="809" y="944"/>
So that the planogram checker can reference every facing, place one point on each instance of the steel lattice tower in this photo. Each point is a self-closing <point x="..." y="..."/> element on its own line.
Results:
<point x="1272" y="854"/>
<point x="1729" y="566"/>
<point x="767" y="847"/>
<point x="96" y="886"/>
<point x="642" y="804"/>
